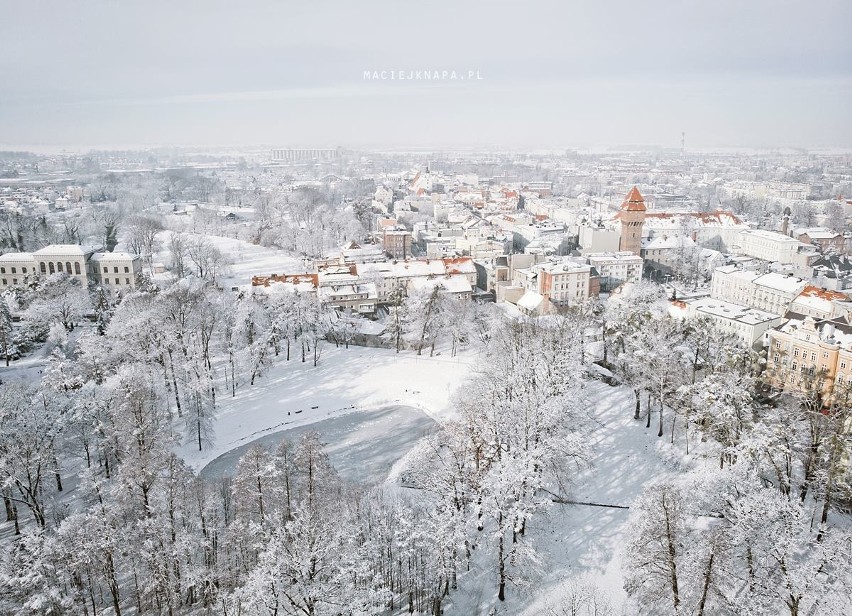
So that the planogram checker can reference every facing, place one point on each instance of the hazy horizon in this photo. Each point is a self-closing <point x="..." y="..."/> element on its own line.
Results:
<point x="545" y="75"/>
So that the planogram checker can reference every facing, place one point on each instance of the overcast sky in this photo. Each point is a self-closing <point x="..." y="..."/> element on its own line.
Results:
<point x="727" y="72"/>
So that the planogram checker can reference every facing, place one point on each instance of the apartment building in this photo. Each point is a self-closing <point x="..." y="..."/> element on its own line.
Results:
<point x="769" y="246"/>
<point x="748" y="325"/>
<point x="825" y="239"/>
<point x="768" y="292"/>
<point x="807" y="354"/>
<point x="775" y="292"/>
<point x="821" y="303"/>
<point x="616" y="268"/>
<point x="563" y="282"/>
<point x="397" y="243"/>
<point x="733" y="284"/>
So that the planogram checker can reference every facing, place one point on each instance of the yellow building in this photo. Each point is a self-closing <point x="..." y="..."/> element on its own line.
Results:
<point x="806" y="354"/>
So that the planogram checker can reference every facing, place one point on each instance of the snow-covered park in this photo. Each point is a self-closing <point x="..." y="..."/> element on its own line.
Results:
<point x="370" y="407"/>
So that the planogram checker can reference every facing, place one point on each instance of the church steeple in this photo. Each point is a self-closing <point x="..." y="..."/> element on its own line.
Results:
<point x="632" y="216"/>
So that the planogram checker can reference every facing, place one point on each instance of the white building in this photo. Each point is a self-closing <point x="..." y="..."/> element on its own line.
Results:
<point x="387" y="276"/>
<point x="717" y="230"/>
<point x="68" y="258"/>
<point x="733" y="284"/>
<point x="561" y="281"/>
<point x="769" y="246"/>
<point x="747" y="324"/>
<point x="616" y="268"/>
<point x="594" y="239"/>
<point x="774" y="292"/>
<point x="115" y="271"/>
<point x="14" y="266"/>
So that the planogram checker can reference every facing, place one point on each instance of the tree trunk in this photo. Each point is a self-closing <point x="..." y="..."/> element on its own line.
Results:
<point x="638" y="408"/>
<point x="707" y="575"/>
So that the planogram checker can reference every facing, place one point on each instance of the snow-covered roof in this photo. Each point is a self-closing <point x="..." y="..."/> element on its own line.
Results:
<point x="451" y="284"/>
<point x="63" y="250"/>
<point x="599" y="258"/>
<point x="559" y="266"/>
<point x="780" y="282"/>
<point x="822" y="300"/>
<point x="770" y="235"/>
<point x="530" y="301"/>
<point x="668" y="242"/>
<point x="113" y="256"/>
<point x="16" y="256"/>
<point x="817" y="233"/>
<point x="734" y="312"/>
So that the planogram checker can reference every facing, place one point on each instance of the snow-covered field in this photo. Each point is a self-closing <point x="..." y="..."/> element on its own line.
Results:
<point x="345" y="381"/>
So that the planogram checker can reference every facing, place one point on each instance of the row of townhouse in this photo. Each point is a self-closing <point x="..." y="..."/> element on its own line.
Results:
<point x="114" y="271"/>
<point x="362" y="287"/>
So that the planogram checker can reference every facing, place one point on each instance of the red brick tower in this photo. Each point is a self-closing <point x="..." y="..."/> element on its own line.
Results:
<point x="632" y="216"/>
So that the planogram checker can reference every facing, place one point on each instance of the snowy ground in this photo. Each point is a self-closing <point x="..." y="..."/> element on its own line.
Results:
<point x="28" y="369"/>
<point x="583" y="543"/>
<point x="362" y="446"/>
<point x="346" y="381"/>
<point x="244" y="259"/>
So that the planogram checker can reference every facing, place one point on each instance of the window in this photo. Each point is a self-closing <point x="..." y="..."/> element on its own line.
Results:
<point x="50" y="266"/>
<point x="68" y="266"/>
<point x="813" y="356"/>
<point x="795" y="365"/>
<point x="116" y="281"/>
<point x="2" y="270"/>
<point x="43" y="269"/>
<point x="59" y="266"/>
<point x="14" y="281"/>
<point x="843" y="365"/>
<point x="106" y="270"/>
<point x="825" y="354"/>
<point x="115" y="269"/>
<point x="127" y="281"/>
<point x="126" y="270"/>
<point x="4" y="281"/>
<point x="14" y="271"/>
<point x="77" y="268"/>
<point x="23" y="270"/>
<point x="795" y="352"/>
<point x="777" y="358"/>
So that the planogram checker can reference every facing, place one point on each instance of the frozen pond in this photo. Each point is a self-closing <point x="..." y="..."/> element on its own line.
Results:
<point x="363" y="446"/>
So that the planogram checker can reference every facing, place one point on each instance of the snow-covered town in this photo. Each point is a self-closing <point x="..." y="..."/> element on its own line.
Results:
<point x="466" y="344"/>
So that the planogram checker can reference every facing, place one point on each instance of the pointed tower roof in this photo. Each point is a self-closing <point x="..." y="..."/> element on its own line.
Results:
<point x="634" y="201"/>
